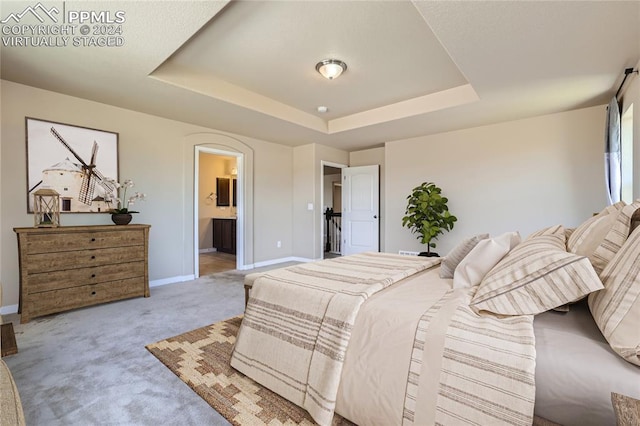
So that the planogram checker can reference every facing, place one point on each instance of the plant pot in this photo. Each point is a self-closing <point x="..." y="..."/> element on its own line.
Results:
<point x="428" y="254"/>
<point x="121" y="218"/>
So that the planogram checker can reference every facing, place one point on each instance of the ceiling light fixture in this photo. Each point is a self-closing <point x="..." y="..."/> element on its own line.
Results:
<point x="331" y="68"/>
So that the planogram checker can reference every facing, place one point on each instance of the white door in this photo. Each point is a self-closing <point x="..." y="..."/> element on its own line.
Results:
<point x="360" y="209"/>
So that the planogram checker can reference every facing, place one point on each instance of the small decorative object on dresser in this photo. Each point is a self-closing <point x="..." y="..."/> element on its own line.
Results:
<point x="121" y="218"/>
<point x="46" y="208"/>
<point x="121" y="213"/>
<point x="70" y="267"/>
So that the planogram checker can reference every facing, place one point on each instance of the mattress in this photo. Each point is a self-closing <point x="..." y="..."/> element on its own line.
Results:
<point x="576" y="369"/>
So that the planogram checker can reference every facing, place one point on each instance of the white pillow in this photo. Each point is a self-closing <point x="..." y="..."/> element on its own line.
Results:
<point x="459" y="252"/>
<point x="482" y="258"/>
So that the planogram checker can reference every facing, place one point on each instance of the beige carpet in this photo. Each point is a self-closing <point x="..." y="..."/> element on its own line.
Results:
<point x="200" y="358"/>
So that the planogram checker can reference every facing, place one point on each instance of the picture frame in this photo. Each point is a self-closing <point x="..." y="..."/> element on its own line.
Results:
<point x="80" y="163"/>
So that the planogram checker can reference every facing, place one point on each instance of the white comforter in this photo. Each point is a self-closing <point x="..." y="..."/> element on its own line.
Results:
<point x="464" y="369"/>
<point x="415" y="352"/>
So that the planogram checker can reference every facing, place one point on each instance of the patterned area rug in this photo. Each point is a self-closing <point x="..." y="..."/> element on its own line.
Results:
<point x="200" y="358"/>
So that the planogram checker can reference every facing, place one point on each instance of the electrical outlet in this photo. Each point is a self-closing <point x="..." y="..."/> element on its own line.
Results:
<point x="279" y="244"/>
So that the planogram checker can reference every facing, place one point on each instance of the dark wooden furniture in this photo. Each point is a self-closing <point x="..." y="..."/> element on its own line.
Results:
<point x="69" y="267"/>
<point x="224" y="235"/>
<point x="8" y="340"/>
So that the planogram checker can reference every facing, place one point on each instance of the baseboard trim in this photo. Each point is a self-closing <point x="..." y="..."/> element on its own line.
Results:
<point x="171" y="280"/>
<point x="276" y="261"/>
<point x="9" y="309"/>
<point x="208" y="250"/>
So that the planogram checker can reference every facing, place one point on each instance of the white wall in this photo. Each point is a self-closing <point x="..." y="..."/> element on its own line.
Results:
<point x="158" y="154"/>
<point x="519" y="175"/>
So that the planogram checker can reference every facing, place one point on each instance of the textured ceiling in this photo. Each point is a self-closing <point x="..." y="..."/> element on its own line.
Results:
<point x="414" y="68"/>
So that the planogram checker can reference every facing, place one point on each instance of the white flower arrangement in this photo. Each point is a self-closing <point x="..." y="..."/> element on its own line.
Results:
<point x="123" y="204"/>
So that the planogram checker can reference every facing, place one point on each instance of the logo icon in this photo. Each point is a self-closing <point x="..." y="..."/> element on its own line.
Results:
<point x="36" y="11"/>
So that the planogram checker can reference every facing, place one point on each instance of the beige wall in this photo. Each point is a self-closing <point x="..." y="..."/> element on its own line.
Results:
<point x="158" y="154"/>
<point x="327" y="199"/>
<point x="307" y="170"/>
<point x="514" y="176"/>
<point x="519" y="175"/>
<point x="336" y="156"/>
<point x="303" y="194"/>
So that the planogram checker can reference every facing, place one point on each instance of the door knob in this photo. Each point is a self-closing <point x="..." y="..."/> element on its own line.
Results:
<point x="375" y="216"/>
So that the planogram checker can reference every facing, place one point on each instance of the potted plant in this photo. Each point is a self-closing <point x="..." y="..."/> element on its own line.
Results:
<point x="427" y="215"/>
<point x="121" y="215"/>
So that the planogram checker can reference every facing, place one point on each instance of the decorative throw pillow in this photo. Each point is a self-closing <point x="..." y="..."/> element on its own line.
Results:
<point x="601" y="236"/>
<point x="557" y="229"/>
<point x="615" y="238"/>
<point x="536" y="276"/>
<point x="616" y="309"/>
<point x="455" y="256"/>
<point x="482" y="258"/>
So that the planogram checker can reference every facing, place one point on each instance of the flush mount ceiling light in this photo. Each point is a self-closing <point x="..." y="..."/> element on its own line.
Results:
<point x="331" y="68"/>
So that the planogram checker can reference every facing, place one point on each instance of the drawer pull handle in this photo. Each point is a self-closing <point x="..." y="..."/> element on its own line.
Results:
<point x="93" y="239"/>
<point x="93" y="257"/>
<point x="93" y="293"/>
<point x="93" y="275"/>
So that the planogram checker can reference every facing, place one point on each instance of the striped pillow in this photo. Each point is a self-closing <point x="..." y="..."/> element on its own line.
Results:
<point x="537" y="275"/>
<point x="557" y="229"/>
<point x="451" y="260"/>
<point x="600" y="237"/>
<point x="616" y="309"/>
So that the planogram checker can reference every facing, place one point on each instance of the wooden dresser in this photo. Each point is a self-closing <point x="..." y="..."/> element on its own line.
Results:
<point x="74" y="266"/>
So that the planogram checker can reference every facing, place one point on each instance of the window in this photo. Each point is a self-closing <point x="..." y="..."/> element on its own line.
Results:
<point x="66" y="205"/>
<point x="626" y="154"/>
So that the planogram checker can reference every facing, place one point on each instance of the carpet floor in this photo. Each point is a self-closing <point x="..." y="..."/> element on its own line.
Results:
<point x="201" y="359"/>
<point x="90" y="367"/>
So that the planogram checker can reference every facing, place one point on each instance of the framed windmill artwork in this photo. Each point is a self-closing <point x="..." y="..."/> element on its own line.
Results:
<point x="79" y="163"/>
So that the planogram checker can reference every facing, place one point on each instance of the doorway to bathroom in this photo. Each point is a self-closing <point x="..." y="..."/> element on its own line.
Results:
<point x="218" y="210"/>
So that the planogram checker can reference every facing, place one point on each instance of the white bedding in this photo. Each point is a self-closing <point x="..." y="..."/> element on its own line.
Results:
<point x="460" y="368"/>
<point x="576" y="370"/>
<point x="385" y="328"/>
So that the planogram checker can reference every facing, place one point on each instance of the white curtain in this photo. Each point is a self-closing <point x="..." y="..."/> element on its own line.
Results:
<point x="612" y="164"/>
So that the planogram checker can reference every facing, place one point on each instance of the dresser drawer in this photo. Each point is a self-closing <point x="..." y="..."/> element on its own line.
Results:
<point x="45" y="262"/>
<point x="67" y="267"/>
<point x="47" y="281"/>
<point x="70" y="298"/>
<point x="60" y="242"/>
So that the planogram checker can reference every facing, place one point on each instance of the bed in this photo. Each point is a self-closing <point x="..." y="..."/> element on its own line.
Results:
<point x="412" y="347"/>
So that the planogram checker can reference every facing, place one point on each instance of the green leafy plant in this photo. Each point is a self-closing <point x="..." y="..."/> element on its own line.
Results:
<point x="427" y="214"/>
<point x="122" y="202"/>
